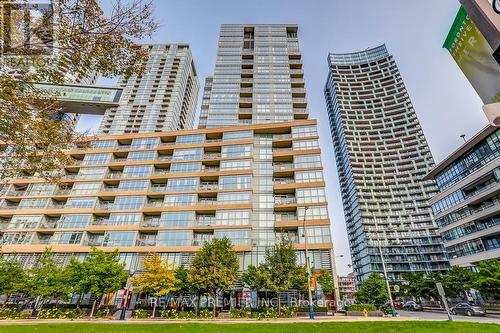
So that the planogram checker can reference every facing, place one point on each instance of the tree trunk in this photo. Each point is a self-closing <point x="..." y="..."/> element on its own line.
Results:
<point x="198" y="303"/>
<point x="154" y="307"/>
<point x="279" y="303"/>
<point x="93" y="308"/>
<point x="214" y="306"/>
<point x="6" y="299"/>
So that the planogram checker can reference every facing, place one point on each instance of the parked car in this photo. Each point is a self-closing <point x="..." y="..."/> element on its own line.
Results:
<point x="412" y="306"/>
<point x="468" y="310"/>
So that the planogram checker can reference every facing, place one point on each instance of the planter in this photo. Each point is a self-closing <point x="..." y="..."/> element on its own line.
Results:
<point x="306" y="314"/>
<point x="360" y="313"/>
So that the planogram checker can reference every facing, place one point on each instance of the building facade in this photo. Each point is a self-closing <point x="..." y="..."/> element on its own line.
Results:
<point x="163" y="98"/>
<point x="347" y="288"/>
<point x="258" y="77"/>
<point x="145" y="186"/>
<point x="467" y="207"/>
<point x="381" y="156"/>
<point x="170" y="192"/>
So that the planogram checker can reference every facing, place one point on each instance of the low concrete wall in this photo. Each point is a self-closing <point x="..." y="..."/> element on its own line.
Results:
<point x="370" y="313"/>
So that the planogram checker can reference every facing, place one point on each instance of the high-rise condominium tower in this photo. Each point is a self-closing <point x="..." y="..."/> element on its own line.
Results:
<point x="381" y="155"/>
<point x="258" y="77"/>
<point x="171" y="191"/>
<point x="163" y="98"/>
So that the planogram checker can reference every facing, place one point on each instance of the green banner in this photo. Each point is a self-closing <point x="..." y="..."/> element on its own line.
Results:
<point x="474" y="56"/>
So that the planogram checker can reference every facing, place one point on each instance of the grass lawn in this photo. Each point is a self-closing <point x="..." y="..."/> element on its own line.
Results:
<point x="340" y="327"/>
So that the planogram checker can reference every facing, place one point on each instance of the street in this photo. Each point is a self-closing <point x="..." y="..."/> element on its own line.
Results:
<point x="425" y="315"/>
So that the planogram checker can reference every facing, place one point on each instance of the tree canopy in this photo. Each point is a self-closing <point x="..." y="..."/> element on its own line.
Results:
<point x="373" y="291"/>
<point x="89" y="40"/>
<point x="215" y="267"/>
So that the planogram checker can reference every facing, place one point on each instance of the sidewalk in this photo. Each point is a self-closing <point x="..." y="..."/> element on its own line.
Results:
<point x="212" y="321"/>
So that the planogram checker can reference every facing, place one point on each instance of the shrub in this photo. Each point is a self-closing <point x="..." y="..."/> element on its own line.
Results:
<point x="105" y="311"/>
<point x="13" y="313"/>
<point x="241" y="313"/>
<point x="60" y="313"/>
<point x="169" y="314"/>
<point x="267" y="313"/>
<point x="316" y="309"/>
<point x="288" y="312"/>
<point x="141" y="314"/>
<point x="187" y="315"/>
<point x="361" y="307"/>
<point x="205" y="314"/>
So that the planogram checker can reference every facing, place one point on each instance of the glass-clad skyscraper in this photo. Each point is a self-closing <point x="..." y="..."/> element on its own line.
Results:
<point x="162" y="98"/>
<point x="381" y="156"/>
<point x="258" y="77"/>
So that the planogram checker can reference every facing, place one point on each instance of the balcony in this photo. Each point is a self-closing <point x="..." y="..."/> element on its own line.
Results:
<point x="211" y="156"/>
<point x="208" y="186"/>
<point x="62" y="191"/>
<point x="151" y="222"/>
<point x="16" y="193"/>
<point x="158" y="188"/>
<point x="110" y="189"/>
<point x="161" y="172"/>
<point x="285" y="217"/>
<point x="283" y="166"/>
<point x="282" y="136"/>
<point x="145" y="242"/>
<point x="164" y="158"/>
<point x="206" y="220"/>
<point x="57" y="205"/>
<point x="207" y="201"/>
<point x="105" y="206"/>
<point x="155" y="204"/>
<point x="285" y="200"/>
<point x="210" y="168"/>
<point x="114" y="175"/>
<point x="283" y="181"/>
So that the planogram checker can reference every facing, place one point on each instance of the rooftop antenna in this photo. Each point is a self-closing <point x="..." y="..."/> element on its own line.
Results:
<point x="463" y="137"/>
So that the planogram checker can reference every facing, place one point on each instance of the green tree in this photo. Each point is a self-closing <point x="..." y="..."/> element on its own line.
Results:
<point x="325" y="279"/>
<point x="421" y="285"/>
<point x="279" y="269"/>
<point x="89" y="40"/>
<point x="48" y="279"/>
<point x="488" y="278"/>
<point x="184" y="286"/>
<point x="373" y="291"/>
<point x="299" y="280"/>
<point x="99" y="273"/>
<point x="457" y="280"/>
<point x="214" y="267"/>
<point x="13" y="278"/>
<point x="157" y="279"/>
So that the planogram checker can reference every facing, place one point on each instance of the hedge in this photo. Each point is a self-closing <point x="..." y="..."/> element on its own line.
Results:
<point x="361" y="307"/>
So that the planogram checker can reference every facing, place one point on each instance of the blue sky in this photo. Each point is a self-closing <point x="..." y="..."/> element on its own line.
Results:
<point x="414" y="32"/>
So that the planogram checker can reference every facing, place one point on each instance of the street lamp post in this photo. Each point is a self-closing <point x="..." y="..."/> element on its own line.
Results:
<point x="308" y="268"/>
<point x="393" y="309"/>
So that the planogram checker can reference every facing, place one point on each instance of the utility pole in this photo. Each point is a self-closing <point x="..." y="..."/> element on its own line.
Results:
<point x="393" y="309"/>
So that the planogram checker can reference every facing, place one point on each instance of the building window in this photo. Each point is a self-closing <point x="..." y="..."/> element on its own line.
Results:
<point x="311" y="195"/>
<point x="89" y="173"/>
<point x="186" y="167"/>
<point x="238" y="135"/>
<point x="232" y="217"/>
<point x="305" y="144"/>
<point x="146" y="155"/>
<point x="145" y="143"/>
<point x="234" y="197"/>
<point x="70" y="238"/>
<point x="69" y="221"/>
<point x="308" y="176"/>
<point x="97" y="159"/>
<point x="182" y="184"/>
<point x="129" y="203"/>
<point x="86" y="202"/>
<point x="307" y="161"/>
<point x="237" y="151"/>
<point x="187" y="154"/>
<point x="190" y="138"/>
<point x="235" y="182"/>
<point x="177" y="219"/>
<point x="86" y="188"/>
<point x="133" y="171"/>
<point x="236" y="165"/>
<point x="174" y="238"/>
<point x="304" y="131"/>
<point x="134" y="185"/>
<point x="119" y="238"/>
<point x="180" y="199"/>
